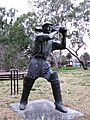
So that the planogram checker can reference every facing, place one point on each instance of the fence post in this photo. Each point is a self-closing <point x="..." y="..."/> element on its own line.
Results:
<point x="14" y="81"/>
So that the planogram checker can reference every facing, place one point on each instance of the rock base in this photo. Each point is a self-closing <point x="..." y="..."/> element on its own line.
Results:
<point x="44" y="110"/>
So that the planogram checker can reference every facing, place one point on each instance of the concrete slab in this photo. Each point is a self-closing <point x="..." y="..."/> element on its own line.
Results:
<point x="44" y="110"/>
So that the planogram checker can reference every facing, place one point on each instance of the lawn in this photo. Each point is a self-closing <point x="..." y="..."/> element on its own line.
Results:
<point x="75" y="86"/>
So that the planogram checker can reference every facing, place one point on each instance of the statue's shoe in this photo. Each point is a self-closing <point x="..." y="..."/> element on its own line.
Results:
<point x="61" y="108"/>
<point x="23" y="106"/>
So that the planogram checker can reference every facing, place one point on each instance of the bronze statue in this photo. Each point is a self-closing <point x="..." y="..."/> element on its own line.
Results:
<point x="40" y="67"/>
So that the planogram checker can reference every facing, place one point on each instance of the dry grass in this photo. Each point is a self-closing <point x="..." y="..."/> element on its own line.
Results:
<point x="75" y="85"/>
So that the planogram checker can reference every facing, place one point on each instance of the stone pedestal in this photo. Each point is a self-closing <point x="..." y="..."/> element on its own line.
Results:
<point x="44" y="110"/>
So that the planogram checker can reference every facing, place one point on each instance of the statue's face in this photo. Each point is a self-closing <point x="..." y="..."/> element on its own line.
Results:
<point x="47" y="29"/>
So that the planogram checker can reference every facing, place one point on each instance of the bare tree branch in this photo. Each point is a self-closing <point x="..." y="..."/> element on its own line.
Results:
<point x="83" y="65"/>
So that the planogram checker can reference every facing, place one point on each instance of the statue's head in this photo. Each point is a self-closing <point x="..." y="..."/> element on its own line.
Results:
<point x="47" y="27"/>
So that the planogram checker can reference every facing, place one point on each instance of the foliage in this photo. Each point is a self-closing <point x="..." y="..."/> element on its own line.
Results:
<point x="53" y="10"/>
<point x="69" y="56"/>
<point x="20" y="39"/>
<point x="17" y="36"/>
<point x="18" y="42"/>
<point x="65" y="68"/>
<point x="68" y="15"/>
<point x="6" y="20"/>
<point x="68" y="68"/>
<point x="80" y="25"/>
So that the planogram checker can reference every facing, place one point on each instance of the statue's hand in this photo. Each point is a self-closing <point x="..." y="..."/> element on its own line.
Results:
<point x="62" y="30"/>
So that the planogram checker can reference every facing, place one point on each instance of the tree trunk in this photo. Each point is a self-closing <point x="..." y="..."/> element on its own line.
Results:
<point x="83" y="65"/>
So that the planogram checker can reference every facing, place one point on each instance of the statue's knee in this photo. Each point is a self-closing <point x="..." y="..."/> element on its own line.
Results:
<point x="54" y="77"/>
<point x="28" y="80"/>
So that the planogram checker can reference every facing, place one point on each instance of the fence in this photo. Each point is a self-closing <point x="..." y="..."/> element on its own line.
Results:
<point x="14" y="75"/>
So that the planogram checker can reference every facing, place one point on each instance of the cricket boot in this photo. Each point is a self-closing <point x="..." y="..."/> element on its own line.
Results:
<point x="27" y="85"/>
<point x="57" y="93"/>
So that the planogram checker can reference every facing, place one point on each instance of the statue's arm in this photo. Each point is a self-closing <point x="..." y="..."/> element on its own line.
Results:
<point x="60" y="45"/>
<point x="52" y="34"/>
<point x="45" y="37"/>
<point x="42" y="38"/>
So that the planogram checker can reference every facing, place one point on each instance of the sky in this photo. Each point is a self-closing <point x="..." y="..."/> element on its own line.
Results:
<point x="23" y="7"/>
<point x="20" y="5"/>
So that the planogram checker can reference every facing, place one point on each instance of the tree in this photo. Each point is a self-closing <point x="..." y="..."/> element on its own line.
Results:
<point x="6" y="19"/>
<point x="54" y="11"/>
<point x="19" y="41"/>
<point x="64" y="60"/>
<point x="69" y="56"/>
<point x="22" y="32"/>
<point x="80" y="25"/>
<point x="64" y="13"/>
<point x="86" y="58"/>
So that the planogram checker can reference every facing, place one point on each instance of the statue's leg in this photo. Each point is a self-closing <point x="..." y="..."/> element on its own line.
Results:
<point x="57" y="92"/>
<point x="27" y="85"/>
<point x="52" y="77"/>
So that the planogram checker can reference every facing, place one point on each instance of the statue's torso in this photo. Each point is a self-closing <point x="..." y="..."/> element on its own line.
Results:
<point x="42" y="49"/>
